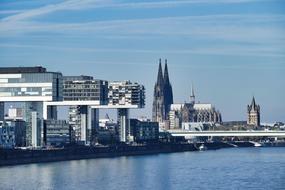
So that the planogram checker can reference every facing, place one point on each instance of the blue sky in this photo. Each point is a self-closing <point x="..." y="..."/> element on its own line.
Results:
<point x="230" y="49"/>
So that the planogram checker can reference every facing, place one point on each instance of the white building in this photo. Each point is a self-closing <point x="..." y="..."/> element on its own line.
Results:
<point x="33" y="86"/>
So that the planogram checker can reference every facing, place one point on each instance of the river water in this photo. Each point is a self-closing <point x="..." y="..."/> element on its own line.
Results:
<point x="232" y="168"/>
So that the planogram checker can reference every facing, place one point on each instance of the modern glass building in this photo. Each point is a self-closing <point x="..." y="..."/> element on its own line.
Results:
<point x="56" y="132"/>
<point x="85" y="88"/>
<point x="82" y="119"/>
<point x="143" y="131"/>
<point x="32" y="86"/>
<point x="29" y="84"/>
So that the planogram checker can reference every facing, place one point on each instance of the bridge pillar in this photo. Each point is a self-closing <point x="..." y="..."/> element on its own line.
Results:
<point x="123" y="120"/>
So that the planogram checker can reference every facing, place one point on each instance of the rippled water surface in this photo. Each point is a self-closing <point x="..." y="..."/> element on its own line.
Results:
<point x="235" y="168"/>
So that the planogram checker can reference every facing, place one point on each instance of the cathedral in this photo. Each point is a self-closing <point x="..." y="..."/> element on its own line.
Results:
<point x="171" y="116"/>
<point x="253" y="113"/>
<point x="163" y="96"/>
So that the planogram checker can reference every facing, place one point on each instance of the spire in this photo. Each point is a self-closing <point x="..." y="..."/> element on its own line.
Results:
<point x="167" y="90"/>
<point x="192" y="96"/>
<point x="253" y="105"/>
<point x="159" y="75"/>
<point x="166" y="76"/>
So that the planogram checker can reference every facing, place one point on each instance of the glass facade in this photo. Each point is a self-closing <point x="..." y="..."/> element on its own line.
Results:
<point x="31" y="86"/>
<point x="56" y="132"/>
<point x="126" y="93"/>
<point x="84" y="88"/>
<point x="144" y="131"/>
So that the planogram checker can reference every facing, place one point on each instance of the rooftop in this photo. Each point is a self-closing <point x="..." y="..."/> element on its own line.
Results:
<point x="10" y="70"/>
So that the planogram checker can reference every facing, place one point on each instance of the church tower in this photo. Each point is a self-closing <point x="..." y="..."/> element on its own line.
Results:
<point x="158" y="107"/>
<point x="168" y="95"/>
<point x="253" y="113"/>
<point x="163" y="96"/>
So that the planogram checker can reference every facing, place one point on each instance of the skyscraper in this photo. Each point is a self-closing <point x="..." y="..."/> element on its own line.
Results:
<point x="163" y="96"/>
<point x="253" y="113"/>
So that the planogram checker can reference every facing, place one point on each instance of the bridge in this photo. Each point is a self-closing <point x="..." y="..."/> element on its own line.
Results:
<point x="184" y="133"/>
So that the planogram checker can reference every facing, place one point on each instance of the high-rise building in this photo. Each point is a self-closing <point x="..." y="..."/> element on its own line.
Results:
<point x="163" y="96"/>
<point x="253" y="113"/>
<point x="84" y="120"/>
<point x="85" y="88"/>
<point x="125" y="93"/>
<point x="33" y="86"/>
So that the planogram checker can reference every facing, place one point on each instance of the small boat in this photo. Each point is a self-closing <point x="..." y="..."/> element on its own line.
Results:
<point x="202" y="147"/>
<point x="255" y="144"/>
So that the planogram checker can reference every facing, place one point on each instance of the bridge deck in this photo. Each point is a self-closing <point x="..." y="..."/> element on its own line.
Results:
<point x="227" y="133"/>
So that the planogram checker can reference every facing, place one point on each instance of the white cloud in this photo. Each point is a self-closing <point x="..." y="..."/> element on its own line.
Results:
<point x="66" y="5"/>
<point x="215" y="49"/>
<point x="229" y="29"/>
<point x="91" y="4"/>
<point x="238" y="28"/>
<point x="3" y="12"/>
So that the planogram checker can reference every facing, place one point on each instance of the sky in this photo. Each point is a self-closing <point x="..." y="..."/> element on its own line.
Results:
<point x="229" y="49"/>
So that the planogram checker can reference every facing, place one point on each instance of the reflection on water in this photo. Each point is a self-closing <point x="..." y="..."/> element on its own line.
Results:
<point x="245" y="168"/>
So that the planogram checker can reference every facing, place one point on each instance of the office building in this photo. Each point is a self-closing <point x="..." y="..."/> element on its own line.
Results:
<point x="143" y="131"/>
<point x="125" y="95"/>
<point x="253" y="113"/>
<point x="56" y="132"/>
<point x="29" y="84"/>
<point x="19" y="127"/>
<point x="85" y="88"/>
<point x="33" y="86"/>
<point x="7" y="135"/>
<point x="84" y="120"/>
<point x="41" y="92"/>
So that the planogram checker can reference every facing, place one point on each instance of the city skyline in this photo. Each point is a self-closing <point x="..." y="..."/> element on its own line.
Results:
<point x="230" y="50"/>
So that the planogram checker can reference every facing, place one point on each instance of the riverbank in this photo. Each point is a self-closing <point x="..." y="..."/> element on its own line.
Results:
<point x="20" y="156"/>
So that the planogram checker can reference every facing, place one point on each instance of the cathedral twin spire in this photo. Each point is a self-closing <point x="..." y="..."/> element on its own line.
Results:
<point x="160" y="78"/>
<point x="163" y="96"/>
<point x="163" y="78"/>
